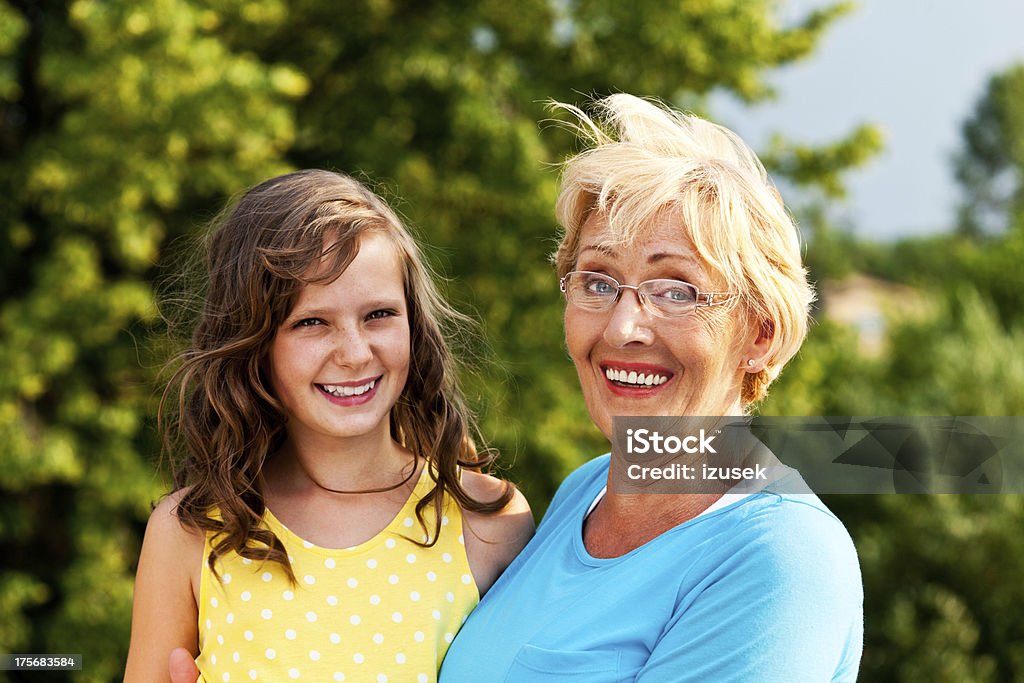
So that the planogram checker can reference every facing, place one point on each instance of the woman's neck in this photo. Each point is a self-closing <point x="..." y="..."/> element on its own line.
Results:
<point x="623" y="522"/>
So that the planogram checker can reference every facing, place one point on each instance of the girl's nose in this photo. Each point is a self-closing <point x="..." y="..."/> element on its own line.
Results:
<point x="351" y="348"/>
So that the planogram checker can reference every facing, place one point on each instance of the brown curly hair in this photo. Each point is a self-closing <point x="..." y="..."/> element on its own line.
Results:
<point x="218" y="415"/>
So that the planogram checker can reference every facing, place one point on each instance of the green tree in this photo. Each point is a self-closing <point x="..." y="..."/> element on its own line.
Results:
<point x="990" y="167"/>
<point x="443" y="104"/>
<point x="941" y="572"/>
<point x="119" y="122"/>
<point x="988" y="245"/>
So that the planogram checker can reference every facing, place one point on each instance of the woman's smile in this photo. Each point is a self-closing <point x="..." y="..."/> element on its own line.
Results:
<point x="635" y="380"/>
<point x="633" y="361"/>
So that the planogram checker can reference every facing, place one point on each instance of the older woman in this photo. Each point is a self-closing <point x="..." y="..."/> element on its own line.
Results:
<point x="685" y="295"/>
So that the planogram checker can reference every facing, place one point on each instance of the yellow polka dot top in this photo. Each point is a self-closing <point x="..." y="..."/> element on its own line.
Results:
<point x="385" y="610"/>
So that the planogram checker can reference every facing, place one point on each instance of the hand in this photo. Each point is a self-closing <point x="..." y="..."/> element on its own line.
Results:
<point x="183" y="667"/>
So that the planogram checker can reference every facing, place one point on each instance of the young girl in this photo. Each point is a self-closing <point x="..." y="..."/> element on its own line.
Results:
<point x="323" y="527"/>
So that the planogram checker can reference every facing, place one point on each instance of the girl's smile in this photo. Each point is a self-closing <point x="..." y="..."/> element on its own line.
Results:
<point x="350" y="393"/>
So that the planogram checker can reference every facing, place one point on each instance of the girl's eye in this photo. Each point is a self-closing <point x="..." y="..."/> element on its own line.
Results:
<point x="379" y="314"/>
<point x="309" y="322"/>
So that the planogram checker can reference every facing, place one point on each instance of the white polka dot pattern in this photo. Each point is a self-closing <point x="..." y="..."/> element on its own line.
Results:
<point x="385" y="610"/>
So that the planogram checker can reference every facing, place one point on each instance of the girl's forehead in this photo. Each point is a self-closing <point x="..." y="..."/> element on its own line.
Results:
<point x="371" y="265"/>
<point x="339" y="254"/>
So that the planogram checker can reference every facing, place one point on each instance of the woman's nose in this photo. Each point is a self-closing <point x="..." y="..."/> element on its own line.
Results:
<point x="629" y="322"/>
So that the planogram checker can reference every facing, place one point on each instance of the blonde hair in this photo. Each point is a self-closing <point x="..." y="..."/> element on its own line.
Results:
<point x="644" y="159"/>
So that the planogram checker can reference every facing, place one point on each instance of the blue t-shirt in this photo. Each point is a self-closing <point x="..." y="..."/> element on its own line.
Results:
<point x="765" y="589"/>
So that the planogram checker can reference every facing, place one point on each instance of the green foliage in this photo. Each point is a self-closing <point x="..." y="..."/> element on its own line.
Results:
<point x="994" y="266"/>
<point x="941" y="593"/>
<point x="991" y="166"/>
<point x="940" y="572"/>
<point x="828" y="377"/>
<point x="832" y="253"/>
<point x="124" y="124"/>
<point x="963" y="362"/>
<point x="120" y="120"/>
<point x="442" y="105"/>
<point x="988" y="263"/>
<point x="823" y="166"/>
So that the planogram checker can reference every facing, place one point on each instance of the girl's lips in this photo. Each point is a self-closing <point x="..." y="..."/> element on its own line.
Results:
<point x="353" y="399"/>
<point x="353" y="383"/>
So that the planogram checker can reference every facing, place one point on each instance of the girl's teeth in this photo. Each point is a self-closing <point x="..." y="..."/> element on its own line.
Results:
<point x="349" y="391"/>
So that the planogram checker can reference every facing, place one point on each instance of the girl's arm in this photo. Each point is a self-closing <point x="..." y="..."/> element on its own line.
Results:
<point x="165" y="615"/>
<point x="493" y="541"/>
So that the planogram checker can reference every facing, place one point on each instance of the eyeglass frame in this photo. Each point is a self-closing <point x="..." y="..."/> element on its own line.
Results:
<point x="701" y="299"/>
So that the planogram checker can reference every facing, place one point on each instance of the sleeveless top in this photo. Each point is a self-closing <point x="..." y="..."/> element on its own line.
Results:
<point x="384" y="610"/>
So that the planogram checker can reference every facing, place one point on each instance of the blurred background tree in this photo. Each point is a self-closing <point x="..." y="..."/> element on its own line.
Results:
<point x="941" y="594"/>
<point x="990" y="164"/>
<point x="121" y="124"/>
<point x="124" y="125"/>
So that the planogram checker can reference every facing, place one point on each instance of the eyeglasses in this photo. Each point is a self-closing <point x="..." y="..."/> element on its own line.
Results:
<point x="663" y="298"/>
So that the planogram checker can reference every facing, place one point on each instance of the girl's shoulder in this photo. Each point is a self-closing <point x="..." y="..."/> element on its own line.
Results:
<point x="165" y="521"/>
<point x="165" y="606"/>
<point x="169" y="537"/>
<point x="514" y="517"/>
<point x="494" y="539"/>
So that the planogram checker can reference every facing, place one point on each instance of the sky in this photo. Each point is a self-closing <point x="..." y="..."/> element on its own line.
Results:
<point x="914" y="68"/>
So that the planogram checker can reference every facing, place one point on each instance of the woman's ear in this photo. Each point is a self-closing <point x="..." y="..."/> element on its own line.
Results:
<point x="754" y="357"/>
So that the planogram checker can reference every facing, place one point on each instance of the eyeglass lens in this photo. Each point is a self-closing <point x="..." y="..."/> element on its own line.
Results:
<point x="597" y="291"/>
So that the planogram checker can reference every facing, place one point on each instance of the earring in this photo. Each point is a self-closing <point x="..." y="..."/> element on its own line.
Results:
<point x="750" y="362"/>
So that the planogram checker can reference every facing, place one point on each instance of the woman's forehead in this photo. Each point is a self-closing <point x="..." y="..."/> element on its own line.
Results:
<point x="663" y="237"/>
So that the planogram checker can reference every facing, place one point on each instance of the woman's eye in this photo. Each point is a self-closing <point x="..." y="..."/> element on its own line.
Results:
<point x="671" y="292"/>
<point x="680" y="294"/>
<point x="676" y="294"/>
<point x="598" y="286"/>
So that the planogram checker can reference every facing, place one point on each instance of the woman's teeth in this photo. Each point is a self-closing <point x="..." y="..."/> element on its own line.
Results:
<point x="348" y="391"/>
<point x="635" y="379"/>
